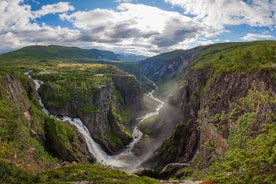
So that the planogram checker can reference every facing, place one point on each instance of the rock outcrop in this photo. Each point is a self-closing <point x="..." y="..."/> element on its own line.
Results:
<point x="169" y="65"/>
<point x="106" y="111"/>
<point x="213" y="94"/>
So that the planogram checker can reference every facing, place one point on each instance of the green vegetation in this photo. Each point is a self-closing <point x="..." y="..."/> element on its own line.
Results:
<point x="80" y="80"/>
<point x="53" y="52"/>
<point x="91" y="172"/>
<point x="132" y="68"/>
<point x="29" y="139"/>
<point x="45" y="56"/>
<point x="86" y="90"/>
<point x="229" y="57"/>
<point x="251" y="156"/>
<point x="9" y="174"/>
<point x="171" y="144"/>
<point x="69" y="174"/>
<point x="253" y="163"/>
<point x="24" y="128"/>
<point x="63" y="141"/>
<point x="166" y="56"/>
<point x="251" y="143"/>
<point x="21" y="123"/>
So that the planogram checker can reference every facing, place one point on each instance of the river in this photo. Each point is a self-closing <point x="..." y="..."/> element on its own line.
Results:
<point x="126" y="160"/>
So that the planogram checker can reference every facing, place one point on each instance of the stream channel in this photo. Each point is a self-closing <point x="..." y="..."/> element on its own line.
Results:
<point x="126" y="160"/>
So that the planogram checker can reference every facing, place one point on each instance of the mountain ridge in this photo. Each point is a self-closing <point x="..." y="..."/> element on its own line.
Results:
<point x="223" y="92"/>
<point x="58" y="52"/>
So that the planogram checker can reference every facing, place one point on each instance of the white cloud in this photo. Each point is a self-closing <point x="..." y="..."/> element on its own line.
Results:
<point x="252" y="37"/>
<point x="9" y="39"/>
<point x="60" y="7"/>
<point x="12" y="15"/>
<point x="219" y="13"/>
<point x="133" y="28"/>
<point x="136" y="27"/>
<point x="17" y="28"/>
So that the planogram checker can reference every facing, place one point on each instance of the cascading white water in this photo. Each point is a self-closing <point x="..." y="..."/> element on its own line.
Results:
<point x="93" y="147"/>
<point x="125" y="160"/>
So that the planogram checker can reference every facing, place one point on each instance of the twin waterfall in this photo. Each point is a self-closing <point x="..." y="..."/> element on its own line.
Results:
<point x="125" y="160"/>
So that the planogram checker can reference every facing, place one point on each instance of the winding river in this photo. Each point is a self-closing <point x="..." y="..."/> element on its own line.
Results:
<point x="126" y="160"/>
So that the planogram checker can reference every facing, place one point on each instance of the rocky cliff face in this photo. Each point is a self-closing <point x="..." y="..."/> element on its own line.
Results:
<point x="131" y="92"/>
<point x="206" y="95"/>
<point x="106" y="111"/>
<point x="23" y="128"/>
<point x="169" y="65"/>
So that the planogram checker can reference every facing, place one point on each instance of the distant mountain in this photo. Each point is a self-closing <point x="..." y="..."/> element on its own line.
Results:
<point x="130" y="57"/>
<point x="58" y="52"/>
<point x="102" y="54"/>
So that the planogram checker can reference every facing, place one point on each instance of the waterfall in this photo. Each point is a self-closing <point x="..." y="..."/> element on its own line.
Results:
<point x="93" y="147"/>
<point x="125" y="160"/>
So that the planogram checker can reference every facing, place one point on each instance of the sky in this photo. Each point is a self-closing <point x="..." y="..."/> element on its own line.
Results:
<point x="142" y="27"/>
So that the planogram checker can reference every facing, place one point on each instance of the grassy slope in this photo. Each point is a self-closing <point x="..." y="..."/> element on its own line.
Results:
<point x="69" y="174"/>
<point x="21" y="130"/>
<point x="49" y="54"/>
<point x="244" y="56"/>
<point x="43" y="53"/>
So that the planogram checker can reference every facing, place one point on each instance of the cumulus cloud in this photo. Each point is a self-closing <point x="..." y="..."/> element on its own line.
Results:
<point x="60" y="7"/>
<point x="18" y="29"/>
<point x="133" y="28"/>
<point x="230" y="12"/>
<point x="12" y="15"/>
<point x="131" y="24"/>
<point x="252" y="37"/>
<point x="175" y="31"/>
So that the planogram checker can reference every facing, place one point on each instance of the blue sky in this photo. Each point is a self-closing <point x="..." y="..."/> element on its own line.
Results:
<point x="146" y="27"/>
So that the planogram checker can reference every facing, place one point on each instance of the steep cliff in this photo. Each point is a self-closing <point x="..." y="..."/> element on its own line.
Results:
<point x="21" y="131"/>
<point x="217" y="95"/>
<point x="169" y="65"/>
<point x="218" y="99"/>
<point x="105" y="103"/>
<point x="23" y="135"/>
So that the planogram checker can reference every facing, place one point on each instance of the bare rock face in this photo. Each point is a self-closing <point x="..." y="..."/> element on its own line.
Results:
<point x="215" y="93"/>
<point x="15" y="90"/>
<point x="131" y="92"/>
<point x="106" y="111"/>
<point x="169" y="65"/>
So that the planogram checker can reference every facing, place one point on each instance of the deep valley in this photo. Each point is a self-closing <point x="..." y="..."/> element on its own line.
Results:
<point x="71" y="115"/>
